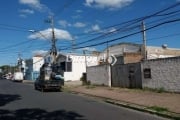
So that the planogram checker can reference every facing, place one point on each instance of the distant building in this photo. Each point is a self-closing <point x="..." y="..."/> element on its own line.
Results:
<point x="74" y="65"/>
<point x="131" y="53"/>
<point x="161" y="52"/>
<point x="33" y="67"/>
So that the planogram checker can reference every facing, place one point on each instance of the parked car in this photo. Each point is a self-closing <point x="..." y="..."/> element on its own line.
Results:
<point x="18" y="77"/>
<point x="55" y="83"/>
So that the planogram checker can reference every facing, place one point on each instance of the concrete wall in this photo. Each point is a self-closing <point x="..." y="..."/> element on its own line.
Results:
<point x="99" y="75"/>
<point x="127" y="75"/>
<point x="165" y="73"/>
<point x="37" y="63"/>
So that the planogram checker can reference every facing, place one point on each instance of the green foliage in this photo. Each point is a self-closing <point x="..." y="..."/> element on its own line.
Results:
<point x="158" y="109"/>
<point x="7" y="68"/>
<point x="90" y="86"/>
<point x="161" y="90"/>
<point x="158" y="90"/>
<point x="84" y="80"/>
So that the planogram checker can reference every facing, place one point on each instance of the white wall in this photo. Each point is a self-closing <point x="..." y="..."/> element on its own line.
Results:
<point x="79" y="66"/>
<point x="37" y="63"/>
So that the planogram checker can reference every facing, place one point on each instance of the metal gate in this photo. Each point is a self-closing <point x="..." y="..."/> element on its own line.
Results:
<point x="127" y="75"/>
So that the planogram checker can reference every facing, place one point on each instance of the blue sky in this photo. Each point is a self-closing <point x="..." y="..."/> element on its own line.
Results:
<point x="79" y="21"/>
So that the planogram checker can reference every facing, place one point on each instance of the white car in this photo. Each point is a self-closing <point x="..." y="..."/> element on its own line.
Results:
<point x="18" y="76"/>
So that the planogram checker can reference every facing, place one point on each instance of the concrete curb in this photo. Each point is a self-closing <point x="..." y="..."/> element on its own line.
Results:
<point x="28" y="81"/>
<point x="125" y="104"/>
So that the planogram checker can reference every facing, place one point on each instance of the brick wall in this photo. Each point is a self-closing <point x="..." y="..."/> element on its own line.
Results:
<point x="132" y="57"/>
<point x="165" y="73"/>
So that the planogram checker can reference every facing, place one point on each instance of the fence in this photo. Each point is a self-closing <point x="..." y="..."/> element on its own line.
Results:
<point x="156" y="74"/>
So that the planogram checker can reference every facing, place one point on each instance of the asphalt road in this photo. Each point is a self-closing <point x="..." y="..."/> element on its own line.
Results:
<point x="19" y="101"/>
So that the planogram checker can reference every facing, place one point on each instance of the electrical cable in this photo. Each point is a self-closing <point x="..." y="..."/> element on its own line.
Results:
<point x="108" y="41"/>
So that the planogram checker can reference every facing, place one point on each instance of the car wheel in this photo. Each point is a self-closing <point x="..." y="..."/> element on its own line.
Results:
<point x="60" y="89"/>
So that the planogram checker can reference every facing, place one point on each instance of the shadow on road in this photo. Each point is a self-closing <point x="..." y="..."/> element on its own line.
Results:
<point x="38" y="114"/>
<point x="7" y="98"/>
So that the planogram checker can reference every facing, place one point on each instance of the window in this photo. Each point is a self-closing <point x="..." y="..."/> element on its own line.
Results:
<point x="63" y="66"/>
<point x="147" y="73"/>
<point x="68" y="66"/>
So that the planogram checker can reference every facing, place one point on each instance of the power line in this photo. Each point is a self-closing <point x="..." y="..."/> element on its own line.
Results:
<point x="15" y="45"/>
<point x="136" y="20"/>
<point x="147" y="29"/>
<point x="156" y="38"/>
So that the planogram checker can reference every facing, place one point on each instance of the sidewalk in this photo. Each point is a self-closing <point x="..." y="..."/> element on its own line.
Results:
<point x="165" y="103"/>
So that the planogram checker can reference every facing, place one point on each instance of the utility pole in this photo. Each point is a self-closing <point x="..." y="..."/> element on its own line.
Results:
<point x="107" y="54"/>
<point x="84" y="52"/>
<point x="53" y="51"/>
<point x="73" y="45"/>
<point x="144" y="40"/>
<point x="19" y="62"/>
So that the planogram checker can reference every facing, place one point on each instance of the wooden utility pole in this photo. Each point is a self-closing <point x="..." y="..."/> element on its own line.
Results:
<point x="19" y="62"/>
<point x="144" y="40"/>
<point x="53" y="51"/>
<point x="84" y="52"/>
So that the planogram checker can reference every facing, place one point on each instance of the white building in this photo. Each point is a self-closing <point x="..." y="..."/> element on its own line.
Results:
<point x="33" y="67"/>
<point x="136" y="52"/>
<point x="161" y="52"/>
<point x="74" y="65"/>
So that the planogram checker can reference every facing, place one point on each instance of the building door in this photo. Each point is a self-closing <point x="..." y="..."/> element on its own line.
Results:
<point x="131" y="77"/>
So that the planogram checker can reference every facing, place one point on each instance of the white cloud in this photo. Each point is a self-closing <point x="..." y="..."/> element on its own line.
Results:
<point x="35" y="4"/>
<point x="110" y="4"/>
<point x="79" y="11"/>
<point x="23" y="15"/>
<point x="79" y="24"/>
<point x="39" y="52"/>
<point x="89" y="49"/>
<point x="32" y="3"/>
<point x="64" y="23"/>
<point x="26" y="11"/>
<point x="76" y="17"/>
<point x="47" y="34"/>
<point x="96" y="27"/>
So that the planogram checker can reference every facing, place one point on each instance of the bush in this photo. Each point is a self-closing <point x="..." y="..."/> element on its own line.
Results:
<point x="84" y="80"/>
<point x="158" y="90"/>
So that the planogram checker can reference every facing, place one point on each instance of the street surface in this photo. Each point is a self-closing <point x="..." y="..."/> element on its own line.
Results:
<point x="19" y="101"/>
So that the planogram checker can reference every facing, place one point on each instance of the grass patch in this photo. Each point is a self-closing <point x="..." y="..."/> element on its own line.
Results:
<point x="90" y="86"/>
<point x="158" y="109"/>
<point x="157" y="90"/>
